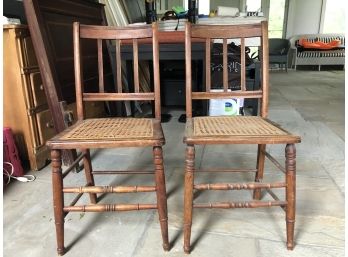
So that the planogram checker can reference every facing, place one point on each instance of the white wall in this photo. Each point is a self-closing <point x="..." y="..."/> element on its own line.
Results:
<point x="304" y="17"/>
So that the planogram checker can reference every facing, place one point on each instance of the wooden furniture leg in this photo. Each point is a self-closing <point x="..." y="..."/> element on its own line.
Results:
<point x="290" y="165"/>
<point x="58" y="199"/>
<point x="260" y="168"/>
<point x="88" y="173"/>
<point x="188" y="196"/>
<point x="161" y="195"/>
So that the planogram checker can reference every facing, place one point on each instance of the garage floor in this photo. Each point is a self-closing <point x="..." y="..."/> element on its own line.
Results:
<point x="308" y="103"/>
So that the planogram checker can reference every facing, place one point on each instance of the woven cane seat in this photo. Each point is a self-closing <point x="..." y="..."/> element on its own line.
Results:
<point x="235" y="129"/>
<point x="110" y="132"/>
<point x="111" y="128"/>
<point x="235" y="126"/>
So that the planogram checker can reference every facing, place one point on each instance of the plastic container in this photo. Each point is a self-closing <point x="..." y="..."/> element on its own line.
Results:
<point x="10" y="154"/>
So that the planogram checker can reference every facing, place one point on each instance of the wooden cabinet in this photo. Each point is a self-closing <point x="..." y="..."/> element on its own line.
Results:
<point x="24" y="97"/>
<point x="25" y="105"/>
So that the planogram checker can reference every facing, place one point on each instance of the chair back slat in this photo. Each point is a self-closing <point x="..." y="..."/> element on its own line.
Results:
<point x="136" y="65"/>
<point x="242" y="70"/>
<point x="121" y="35"/>
<point x="222" y="31"/>
<point x="100" y="66"/>
<point x="117" y="96"/>
<point x="223" y="95"/>
<point x="207" y="64"/>
<point x="118" y="66"/>
<point x="226" y="90"/>
<point x="224" y="65"/>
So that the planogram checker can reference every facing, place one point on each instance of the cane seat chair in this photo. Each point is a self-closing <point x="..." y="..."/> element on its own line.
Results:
<point x="214" y="130"/>
<point x="115" y="132"/>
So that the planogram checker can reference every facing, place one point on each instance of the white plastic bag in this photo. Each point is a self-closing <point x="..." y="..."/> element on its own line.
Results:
<point x="218" y="107"/>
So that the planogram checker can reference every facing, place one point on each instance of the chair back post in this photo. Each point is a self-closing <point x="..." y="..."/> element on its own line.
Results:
<point x="188" y="70"/>
<point x="78" y="71"/>
<point x="157" y="86"/>
<point x="264" y="70"/>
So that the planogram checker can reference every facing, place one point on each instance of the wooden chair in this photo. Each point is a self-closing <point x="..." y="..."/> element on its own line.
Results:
<point x="110" y="132"/>
<point x="256" y="130"/>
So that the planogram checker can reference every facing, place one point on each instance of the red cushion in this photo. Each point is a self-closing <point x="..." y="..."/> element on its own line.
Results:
<point x="319" y="44"/>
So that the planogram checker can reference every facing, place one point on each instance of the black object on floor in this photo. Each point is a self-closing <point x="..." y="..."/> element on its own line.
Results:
<point x="182" y="118"/>
<point x="165" y="117"/>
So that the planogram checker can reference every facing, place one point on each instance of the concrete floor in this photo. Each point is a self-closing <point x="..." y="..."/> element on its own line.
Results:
<point x="308" y="103"/>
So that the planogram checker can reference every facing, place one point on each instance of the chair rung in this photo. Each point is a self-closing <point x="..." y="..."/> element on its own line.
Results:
<point x="275" y="162"/>
<point x="109" y="207"/>
<point x="109" y="189"/>
<point x="274" y="196"/>
<point x="74" y="201"/>
<point x="226" y="170"/>
<point x="238" y="186"/>
<point x="232" y="205"/>
<point x="72" y="166"/>
<point x="121" y="172"/>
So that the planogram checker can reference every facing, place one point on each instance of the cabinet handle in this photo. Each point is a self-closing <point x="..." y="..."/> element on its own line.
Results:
<point x="42" y="87"/>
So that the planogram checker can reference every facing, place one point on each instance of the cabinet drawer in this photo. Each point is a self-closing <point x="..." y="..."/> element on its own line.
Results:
<point x="45" y="126"/>
<point x="45" y="121"/>
<point x="29" y="53"/>
<point x="37" y="88"/>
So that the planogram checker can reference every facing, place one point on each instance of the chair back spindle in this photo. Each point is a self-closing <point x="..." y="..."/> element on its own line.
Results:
<point x="118" y="66"/>
<point x="207" y="64"/>
<point x="224" y="65"/>
<point x="120" y="35"/>
<point x="100" y="66"/>
<point x="242" y="70"/>
<point x="136" y="65"/>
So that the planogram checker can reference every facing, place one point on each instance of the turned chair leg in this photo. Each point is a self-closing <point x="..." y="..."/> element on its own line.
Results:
<point x="290" y="165"/>
<point x="58" y="199"/>
<point x="161" y="195"/>
<point x="188" y="196"/>
<point x="260" y="168"/>
<point x="88" y="173"/>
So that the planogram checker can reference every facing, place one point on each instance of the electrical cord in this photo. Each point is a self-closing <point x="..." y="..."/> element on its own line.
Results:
<point x="25" y="178"/>
<point x="177" y="25"/>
